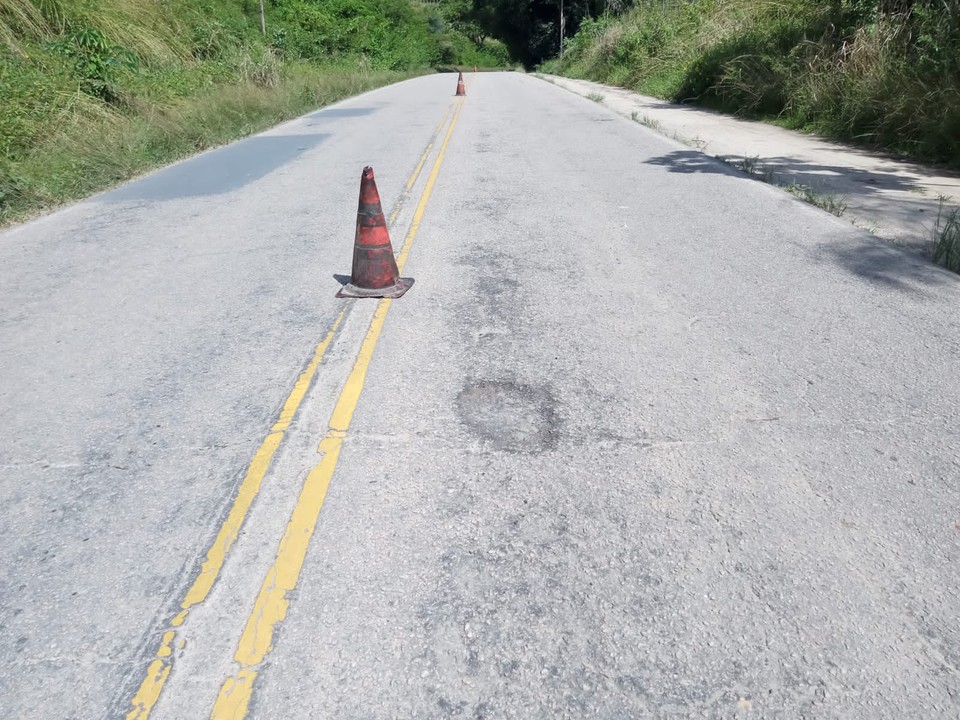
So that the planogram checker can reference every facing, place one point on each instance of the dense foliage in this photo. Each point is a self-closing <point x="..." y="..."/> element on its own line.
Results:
<point x="886" y="73"/>
<point x="529" y="28"/>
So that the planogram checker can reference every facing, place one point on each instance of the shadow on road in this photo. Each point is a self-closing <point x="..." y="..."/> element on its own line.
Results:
<point x="789" y="169"/>
<point x="874" y="261"/>
<point x="786" y="170"/>
<point x="219" y="171"/>
<point x="336" y="113"/>
<point x="691" y="161"/>
<point x="891" y="267"/>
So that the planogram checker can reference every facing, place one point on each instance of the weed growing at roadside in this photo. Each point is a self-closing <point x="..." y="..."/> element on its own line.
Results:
<point x="755" y="169"/>
<point x="596" y="97"/>
<point x="946" y="238"/>
<point x="752" y="167"/>
<point x="657" y="126"/>
<point x="646" y="121"/>
<point x="831" y="203"/>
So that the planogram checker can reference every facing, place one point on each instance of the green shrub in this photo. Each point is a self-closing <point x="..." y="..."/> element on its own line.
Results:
<point x="95" y="60"/>
<point x="836" y="67"/>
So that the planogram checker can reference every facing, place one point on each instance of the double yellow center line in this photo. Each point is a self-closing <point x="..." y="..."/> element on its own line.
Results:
<point x="271" y="604"/>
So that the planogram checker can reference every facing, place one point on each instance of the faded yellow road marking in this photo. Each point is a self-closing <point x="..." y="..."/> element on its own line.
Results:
<point x="416" y="171"/>
<point x="270" y="607"/>
<point x="158" y="671"/>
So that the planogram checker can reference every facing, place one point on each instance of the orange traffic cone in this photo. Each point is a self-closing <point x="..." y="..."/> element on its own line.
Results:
<point x="374" y="271"/>
<point x="461" y="90"/>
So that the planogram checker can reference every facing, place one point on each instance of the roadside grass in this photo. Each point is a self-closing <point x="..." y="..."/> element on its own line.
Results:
<point x="825" y="201"/>
<point x="147" y="30"/>
<point x="596" y="97"/>
<point x="755" y="169"/>
<point x="657" y="126"/>
<point x="751" y="166"/>
<point x="946" y="238"/>
<point x="646" y="121"/>
<point x="94" y="92"/>
<point x="843" y="69"/>
<point x="100" y="147"/>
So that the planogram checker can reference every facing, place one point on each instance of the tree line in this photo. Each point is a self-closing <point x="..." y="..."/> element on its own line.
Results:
<point x="534" y="30"/>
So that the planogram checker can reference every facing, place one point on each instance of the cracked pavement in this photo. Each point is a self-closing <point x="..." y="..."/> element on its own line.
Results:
<point x="637" y="443"/>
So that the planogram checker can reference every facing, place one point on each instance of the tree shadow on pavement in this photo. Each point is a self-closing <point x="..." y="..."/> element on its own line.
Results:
<point x="785" y="170"/>
<point x="793" y="170"/>
<point x="691" y="161"/>
<point x="912" y="212"/>
<point x="869" y="259"/>
<point x="219" y="171"/>
<point x="877" y="263"/>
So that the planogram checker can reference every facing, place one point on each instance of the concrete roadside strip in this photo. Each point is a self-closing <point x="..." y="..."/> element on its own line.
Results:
<point x="891" y="198"/>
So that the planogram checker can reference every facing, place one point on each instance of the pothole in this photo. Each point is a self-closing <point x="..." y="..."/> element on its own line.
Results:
<point x="510" y="416"/>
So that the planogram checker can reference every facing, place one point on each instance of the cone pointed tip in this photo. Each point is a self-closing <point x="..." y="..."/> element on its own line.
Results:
<point x="367" y="173"/>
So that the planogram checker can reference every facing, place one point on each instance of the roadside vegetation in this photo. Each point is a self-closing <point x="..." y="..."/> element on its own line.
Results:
<point x="946" y="238"/>
<point x="825" y="201"/>
<point x="885" y="73"/>
<point x="93" y="92"/>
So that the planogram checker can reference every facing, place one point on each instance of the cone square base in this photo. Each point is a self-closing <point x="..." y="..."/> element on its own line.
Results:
<point x="391" y="291"/>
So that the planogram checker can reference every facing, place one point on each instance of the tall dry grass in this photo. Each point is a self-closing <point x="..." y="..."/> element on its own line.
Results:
<point x="93" y="92"/>
<point x="150" y="30"/>
<point x="833" y="67"/>
<point x="98" y="146"/>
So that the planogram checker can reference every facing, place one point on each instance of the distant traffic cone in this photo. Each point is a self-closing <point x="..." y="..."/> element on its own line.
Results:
<point x="461" y="90"/>
<point x="374" y="272"/>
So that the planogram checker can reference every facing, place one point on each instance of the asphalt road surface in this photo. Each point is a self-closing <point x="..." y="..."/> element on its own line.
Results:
<point x="646" y="439"/>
